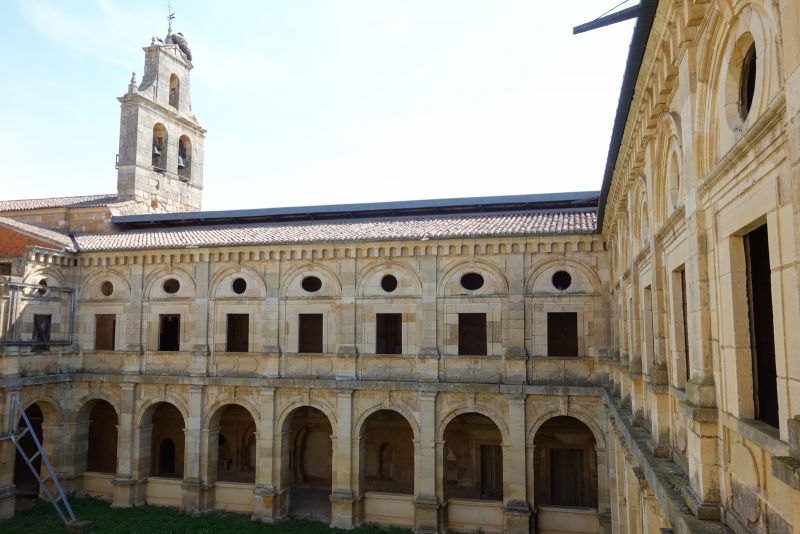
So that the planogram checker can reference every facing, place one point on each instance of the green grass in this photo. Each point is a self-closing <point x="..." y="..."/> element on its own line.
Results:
<point x="151" y="519"/>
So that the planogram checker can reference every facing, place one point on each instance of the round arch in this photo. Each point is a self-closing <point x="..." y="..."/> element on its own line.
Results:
<point x="543" y="267"/>
<point x="90" y="288"/>
<point x="221" y="276"/>
<point x="285" y="414"/>
<point x="147" y="408"/>
<point x="586" y="419"/>
<point x="188" y="287"/>
<point x="213" y="414"/>
<point x="305" y="268"/>
<point x="402" y="411"/>
<point x="458" y="267"/>
<point x="371" y="270"/>
<point x="485" y="411"/>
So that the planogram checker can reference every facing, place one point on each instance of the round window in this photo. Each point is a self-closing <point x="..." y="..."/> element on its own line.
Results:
<point x="311" y="284"/>
<point x="42" y="290"/>
<point x="389" y="283"/>
<point x="107" y="288"/>
<point x="562" y="280"/>
<point x="239" y="286"/>
<point x="747" y="82"/>
<point x="472" y="281"/>
<point x="172" y="286"/>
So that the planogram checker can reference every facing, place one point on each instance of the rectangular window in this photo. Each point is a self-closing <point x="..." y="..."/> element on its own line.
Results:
<point x="105" y="326"/>
<point x="647" y="322"/>
<point x="169" y="334"/>
<point x="562" y="334"/>
<point x="5" y="269"/>
<point x="238" y="339"/>
<point x="762" y="340"/>
<point x="41" y="331"/>
<point x="472" y="334"/>
<point x="389" y="333"/>
<point x="310" y="333"/>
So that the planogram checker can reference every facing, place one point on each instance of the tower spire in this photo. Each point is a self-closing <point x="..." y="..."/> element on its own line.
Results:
<point x="170" y="16"/>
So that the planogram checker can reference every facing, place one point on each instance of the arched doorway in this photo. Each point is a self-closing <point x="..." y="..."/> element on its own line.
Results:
<point x="386" y="469"/>
<point x="101" y="441"/>
<point x="565" y="471"/>
<point x="307" y="463"/>
<point x="167" y="441"/>
<point x="473" y="458"/>
<point x="235" y="441"/>
<point x="24" y="480"/>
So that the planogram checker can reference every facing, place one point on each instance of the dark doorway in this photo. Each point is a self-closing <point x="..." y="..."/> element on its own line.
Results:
<point x="23" y="477"/>
<point x="169" y="336"/>
<point x="491" y="472"/>
<point x="389" y="333"/>
<point x="41" y="331"/>
<point x="101" y="449"/>
<point x="238" y="339"/>
<point x="562" y="334"/>
<point x="310" y="333"/>
<point x="472" y="334"/>
<point x="166" y="457"/>
<point x="762" y="341"/>
<point x="473" y="458"/>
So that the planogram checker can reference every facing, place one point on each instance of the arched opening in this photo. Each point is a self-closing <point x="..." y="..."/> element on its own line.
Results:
<point x="645" y="222"/>
<point x="24" y="480"/>
<point x="674" y="183"/>
<point x="167" y="441"/>
<point x="235" y="439"/>
<point x="387" y="453"/>
<point x="473" y="458"/>
<point x="159" y="149"/>
<point x="184" y="157"/>
<point x="101" y="446"/>
<point x="565" y="471"/>
<point x="307" y="463"/>
<point x="174" y="91"/>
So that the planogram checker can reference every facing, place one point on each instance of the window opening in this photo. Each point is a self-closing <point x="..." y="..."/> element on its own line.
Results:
<point x="167" y="456"/>
<point x="491" y="472"/>
<point x="107" y="288"/>
<point x="472" y="281"/>
<point x="747" y="85"/>
<point x="685" y="320"/>
<point x="43" y="289"/>
<point x="472" y="334"/>
<point x="647" y="321"/>
<point x="562" y="334"/>
<point x="310" y="333"/>
<point x="159" y="150"/>
<point x="389" y="333"/>
<point x="238" y="332"/>
<point x="170" y="333"/>
<point x="184" y="158"/>
<point x="562" y="280"/>
<point x="41" y="331"/>
<point x="239" y="286"/>
<point x="174" y="90"/>
<point x="389" y="283"/>
<point x="762" y="341"/>
<point x="567" y="479"/>
<point x="5" y="269"/>
<point x="105" y="325"/>
<point x="311" y="284"/>
<point x="171" y="286"/>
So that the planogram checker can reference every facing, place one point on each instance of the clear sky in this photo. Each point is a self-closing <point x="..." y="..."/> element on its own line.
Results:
<point x="317" y="102"/>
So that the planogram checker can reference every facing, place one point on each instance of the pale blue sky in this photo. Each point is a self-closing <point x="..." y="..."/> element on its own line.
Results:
<point x="316" y="102"/>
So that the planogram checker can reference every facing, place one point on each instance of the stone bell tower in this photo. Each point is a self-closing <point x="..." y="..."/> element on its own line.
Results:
<point x="160" y="160"/>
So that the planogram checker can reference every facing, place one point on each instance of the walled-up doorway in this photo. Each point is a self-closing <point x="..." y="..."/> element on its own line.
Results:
<point x="101" y="441"/>
<point x="307" y="463"/>
<point x="24" y="480"/>
<point x="473" y="458"/>
<point x="167" y="440"/>
<point x="387" y="453"/>
<point x="235" y="445"/>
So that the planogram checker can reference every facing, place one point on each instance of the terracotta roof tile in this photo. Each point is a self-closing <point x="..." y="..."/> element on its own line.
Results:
<point x="57" y="202"/>
<point x="389" y="229"/>
<point x="57" y="238"/>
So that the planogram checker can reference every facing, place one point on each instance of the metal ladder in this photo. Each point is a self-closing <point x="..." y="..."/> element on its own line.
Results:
<point x="15" y="434"/>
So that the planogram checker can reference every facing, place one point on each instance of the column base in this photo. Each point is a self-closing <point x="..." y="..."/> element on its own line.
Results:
<point x="194" y="496"/>
<point x="8" y="499"/>
<point x="516" y="518"/>
<point x="266" y="504"/>
<point x="124" y="491"/>
<point x="344" y="508"/>
<point x="426" y="514"/>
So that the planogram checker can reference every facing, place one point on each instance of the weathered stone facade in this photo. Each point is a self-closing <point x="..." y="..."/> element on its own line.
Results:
<point x="511" y="366"/>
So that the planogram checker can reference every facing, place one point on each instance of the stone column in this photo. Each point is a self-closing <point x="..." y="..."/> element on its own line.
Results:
<point x="7" y="459"/>
<point x="428" y="351"/>
<point x="194" y="487"/>
<point x="346" y="350"/>
<point x="124" y="482"/>
<point x="515" y="360"/>
<point x="516" y="512"/>
<point x="426" y="504"/>
<point x="343" y="498"/>
<point x="267" y="503"/>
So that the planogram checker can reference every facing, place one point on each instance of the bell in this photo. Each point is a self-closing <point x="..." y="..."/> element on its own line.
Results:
<point x="181" y="163"/>
<point x="156" y="151"/>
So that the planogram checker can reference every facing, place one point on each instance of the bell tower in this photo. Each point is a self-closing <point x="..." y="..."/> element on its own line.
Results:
<point x="160" y="160"/>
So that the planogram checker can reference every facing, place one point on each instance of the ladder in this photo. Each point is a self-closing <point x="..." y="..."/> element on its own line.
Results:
<point x="15" y="434"/>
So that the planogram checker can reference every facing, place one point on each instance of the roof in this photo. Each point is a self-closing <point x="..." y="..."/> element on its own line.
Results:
<point x="641" y="33"/>
<point x="412" y="228"/>
<point x="445" y="206"/>
<point x="59" y="239"/>
<point x="57" y="202"/>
